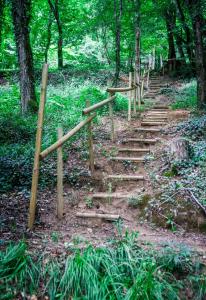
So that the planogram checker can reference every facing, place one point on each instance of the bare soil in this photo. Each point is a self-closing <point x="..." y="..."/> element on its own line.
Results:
<point x="53" y="236"/>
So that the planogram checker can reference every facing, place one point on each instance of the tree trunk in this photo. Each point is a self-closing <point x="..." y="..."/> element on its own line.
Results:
<point x="137" y="5"/>
<point x="179" y="44"/>
<point x="50" y="21"/>
<point x="170" y="18"/>
<point x="2" y="5"/>
<point x="118" y="16"/>
<point x="21" y="18"/>
<point x="189" y="40"/>
<point x="55" y="9"/>
<point x="196" y="9"/>
<point x="179" y="150"/>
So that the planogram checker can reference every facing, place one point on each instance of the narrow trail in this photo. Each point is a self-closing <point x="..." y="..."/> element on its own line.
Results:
<point x="128" y="176"/>
<point x="123" y="172"/>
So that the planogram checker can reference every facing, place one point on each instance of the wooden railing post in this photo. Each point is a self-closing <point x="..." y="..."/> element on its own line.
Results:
<point x="142" y="85"/>
<point x="130" y="98"/>
<point x="35" y="175"/>
<point x="111" y="118"/>
<point x="135" y="93"/>
<point x="90" y="143"/>
<point x="60" y="197"/>
<point x="148" y="76"/>
<point x="138" y="90"/>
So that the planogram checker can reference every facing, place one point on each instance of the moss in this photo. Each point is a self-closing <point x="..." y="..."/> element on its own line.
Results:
<point x="172" y="172"/>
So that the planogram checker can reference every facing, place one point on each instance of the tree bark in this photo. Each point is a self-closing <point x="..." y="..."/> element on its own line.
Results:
<point x="50" y="21"/>
<point x="2" y="5"/>
<point x="137" y="6"/>
<point x="55" y="9"/>
<point x="179" y="150"/>
<point x="198" y="22"/>
<point x="188" y="33"/>
<point x="118" y="16"/>
<point x="21" y="17"/>
<point x="170" y="17"/>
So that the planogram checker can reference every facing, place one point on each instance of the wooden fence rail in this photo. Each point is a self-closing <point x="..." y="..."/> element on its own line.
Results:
<point x="135" y="90"/>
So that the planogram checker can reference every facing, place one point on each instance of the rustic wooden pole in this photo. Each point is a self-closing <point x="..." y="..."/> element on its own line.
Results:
<point x="111" y="118"/>
<point x="35" y="175"/>
<point x="138" y="91"/>
<point x="90" y="143"/>
<point x="148" y="76"/>
<point x="130" y="98"/>
<point x="135" y="93"/>
<point x="60" y="197"/>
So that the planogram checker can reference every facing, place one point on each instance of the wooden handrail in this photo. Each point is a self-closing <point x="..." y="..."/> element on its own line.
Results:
<point x="97" y="105"/>
<point x="61" y="141"/>
<point x="120" y="90"/>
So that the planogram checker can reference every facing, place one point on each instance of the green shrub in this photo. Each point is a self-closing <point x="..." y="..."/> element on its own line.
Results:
<point x="186" y="96"/>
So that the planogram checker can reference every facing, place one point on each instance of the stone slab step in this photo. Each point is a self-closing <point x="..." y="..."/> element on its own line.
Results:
<point x="144" y="141"/>
<point x="126" y="177"/>
<point x="161" y="107"/>
<point x="140" y="150"/>
<point x="152" y="123"/>
<point x="111" y="195"/>
<point x="148" y="130"/>
<point x="134" y="159"/>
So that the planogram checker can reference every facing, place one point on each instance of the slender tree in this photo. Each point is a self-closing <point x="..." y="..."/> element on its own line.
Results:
<point x="118" y="16"/>
<point x="170" y="19"/>
<point x="199" y="23"/>
<point x="2" y="5"/>
<point x="21" y="17"/>
<point x="48" y="42"/>
<point x="54" y="5"/>
<point x="137" y="5"/>
<point x="189" y="44"/>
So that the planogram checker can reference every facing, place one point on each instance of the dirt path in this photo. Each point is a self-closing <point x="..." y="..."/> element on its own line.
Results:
<point x="122" y="174"/>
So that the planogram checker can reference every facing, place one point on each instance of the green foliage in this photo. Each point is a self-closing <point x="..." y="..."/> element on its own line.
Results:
<point x="123" y="271"/>
<point x="185" y="97"/>
<point x="64" y="106"/>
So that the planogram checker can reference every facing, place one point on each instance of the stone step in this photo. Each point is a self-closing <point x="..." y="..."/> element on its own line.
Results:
<point x="140" y="150"/>
<point x="152" y="123"/>
<point x="134" y="159"/>
<point x="154" y="117"/>
<point x="161" y="107"/>
<point x="111" y="195"/>
<point x="126" y="177"/>
<point x="148" y="130"/>
<point x="144" y="141"/>
<point x="157" y="112"/>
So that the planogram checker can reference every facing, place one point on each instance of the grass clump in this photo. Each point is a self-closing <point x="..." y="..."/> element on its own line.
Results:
<point x="121" y="271"/>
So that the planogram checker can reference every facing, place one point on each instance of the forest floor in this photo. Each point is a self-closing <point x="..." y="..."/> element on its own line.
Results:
<point x="133" y="202"/>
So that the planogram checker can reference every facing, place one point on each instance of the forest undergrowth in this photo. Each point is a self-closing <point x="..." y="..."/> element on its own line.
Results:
<point x="122" y="270"/>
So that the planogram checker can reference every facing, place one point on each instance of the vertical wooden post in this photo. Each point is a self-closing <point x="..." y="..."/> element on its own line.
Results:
<point x="138" y="91"/>
<point x="142" y="85"/>
<point x="153" y="60"/>
<point x="135" y="93"/>
<point x="60" y="196"/>
<point x="111" y="119"/>
<point x="35" y="175"/>
<point x="130" y="98"/>
<point x="90" y="144"/>
<point x="148" y="75"/>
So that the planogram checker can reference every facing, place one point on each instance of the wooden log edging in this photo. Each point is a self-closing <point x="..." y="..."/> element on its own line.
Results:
<point x="109" y="217"/>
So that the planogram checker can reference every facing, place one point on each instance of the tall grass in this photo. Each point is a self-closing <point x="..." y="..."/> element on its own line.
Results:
<point x="122" y="271"/>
